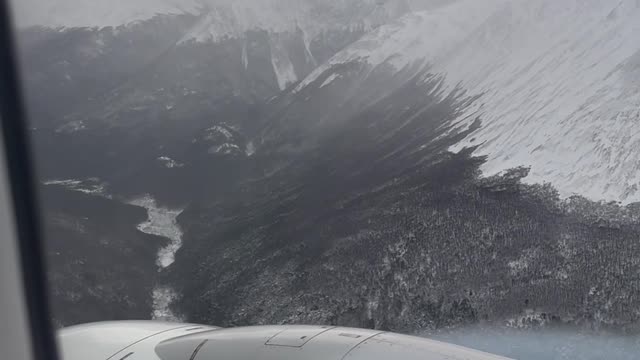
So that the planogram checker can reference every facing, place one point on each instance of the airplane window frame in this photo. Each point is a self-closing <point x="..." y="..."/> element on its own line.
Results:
<point x="19" y="171"/>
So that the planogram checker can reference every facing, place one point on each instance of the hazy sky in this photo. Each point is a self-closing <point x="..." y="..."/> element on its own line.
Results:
<point x="91" y="13"/>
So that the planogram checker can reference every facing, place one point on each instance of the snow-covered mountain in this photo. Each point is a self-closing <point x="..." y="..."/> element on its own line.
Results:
<point x="557" y="83"/>
<point x="327" y="154"/>
<point x="558" y="80"/>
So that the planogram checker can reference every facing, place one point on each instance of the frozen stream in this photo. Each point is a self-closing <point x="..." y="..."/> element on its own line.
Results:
<point x="162" y="222"/>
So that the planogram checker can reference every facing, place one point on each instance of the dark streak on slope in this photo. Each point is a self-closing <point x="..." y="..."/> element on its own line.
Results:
<point x="376" y="225"/>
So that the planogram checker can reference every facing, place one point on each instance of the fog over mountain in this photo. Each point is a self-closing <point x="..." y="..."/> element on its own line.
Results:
<point x="247" y="14"/>
<point x="404" y="165"/>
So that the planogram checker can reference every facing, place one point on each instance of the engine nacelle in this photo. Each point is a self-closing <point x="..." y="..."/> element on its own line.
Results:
<point x="146" y="340"/>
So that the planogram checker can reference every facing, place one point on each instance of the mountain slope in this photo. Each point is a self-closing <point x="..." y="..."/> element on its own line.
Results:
<point x="368" y="220"/>
<point x="109" y="102"/>
<point x="354" y="210"/>
<point x="341" y="169"/>
<point x="557" y="83"/>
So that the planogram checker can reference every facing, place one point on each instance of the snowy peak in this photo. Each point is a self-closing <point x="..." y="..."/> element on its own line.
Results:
<point x="558" y="84"/>
<point x="418" y="37"/>
<point x="309" y="19"/>
<point x="220" y="19"/>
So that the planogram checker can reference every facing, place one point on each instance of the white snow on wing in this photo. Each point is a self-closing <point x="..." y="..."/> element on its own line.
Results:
<point x="560" y="84"/>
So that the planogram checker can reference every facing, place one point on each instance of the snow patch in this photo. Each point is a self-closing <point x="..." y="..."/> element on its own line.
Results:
<point x="163" y="222"/>
<point x="307" y="49"/>
<point x="282" y="65"/>
<point x="530" y="319"/>
<point x="250" y="149"/>
<point x="169" y="163"/>
<point x="225" y="149"/>
<point x="218" y="129"/>
<point x="91" y="186"/>
<point x="330" y="79"/>
<point x="72" y="127"/>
